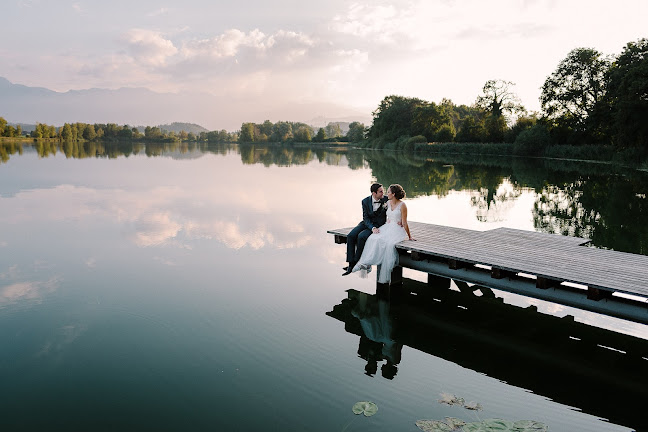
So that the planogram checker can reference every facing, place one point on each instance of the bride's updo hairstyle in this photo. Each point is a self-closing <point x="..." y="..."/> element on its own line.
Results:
<point x="398" y="191"/>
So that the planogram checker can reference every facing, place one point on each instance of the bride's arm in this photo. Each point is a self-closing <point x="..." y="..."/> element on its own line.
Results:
<point x="404" y="221"/>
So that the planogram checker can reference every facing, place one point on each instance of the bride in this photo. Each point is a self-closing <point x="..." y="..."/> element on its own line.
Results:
<point x="380" y="247"/>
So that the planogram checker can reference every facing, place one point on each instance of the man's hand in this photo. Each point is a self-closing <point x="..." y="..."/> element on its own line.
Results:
<point x="375" y="230"/>
<point x="400" y="223"/>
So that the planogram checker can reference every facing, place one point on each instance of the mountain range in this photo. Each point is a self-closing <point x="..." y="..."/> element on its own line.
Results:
<point x="141" y="106"/>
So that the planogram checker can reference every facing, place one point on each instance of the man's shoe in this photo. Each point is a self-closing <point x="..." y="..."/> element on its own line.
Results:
<point x="349" y="269"/>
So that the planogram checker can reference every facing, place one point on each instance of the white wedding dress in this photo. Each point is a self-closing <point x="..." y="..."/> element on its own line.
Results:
<point x="380" y="247"/>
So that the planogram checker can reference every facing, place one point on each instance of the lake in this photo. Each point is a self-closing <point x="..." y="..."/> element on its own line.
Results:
<point x="194" y="287"/>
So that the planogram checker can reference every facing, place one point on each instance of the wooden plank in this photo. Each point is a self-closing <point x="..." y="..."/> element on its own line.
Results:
<point x="550" y="257"/>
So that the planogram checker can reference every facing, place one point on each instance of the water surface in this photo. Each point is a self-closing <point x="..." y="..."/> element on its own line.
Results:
<point x="187" y="288"/>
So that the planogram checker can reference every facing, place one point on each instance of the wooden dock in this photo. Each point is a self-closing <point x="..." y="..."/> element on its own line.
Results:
<point x="530" y="263"/>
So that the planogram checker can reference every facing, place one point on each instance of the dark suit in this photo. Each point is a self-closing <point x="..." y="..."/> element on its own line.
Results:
<point x="358" y="236"/>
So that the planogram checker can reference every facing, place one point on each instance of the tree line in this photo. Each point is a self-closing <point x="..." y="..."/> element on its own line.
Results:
<point x="284" y="132"/>
<point x="589" y="99"/>
<point x="113" y="132"/>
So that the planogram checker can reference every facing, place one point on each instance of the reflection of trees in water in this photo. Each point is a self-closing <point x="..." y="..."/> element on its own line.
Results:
<point x="610" y="210"/>
<point x="559" y="211"/>
<point x="493" y="205"/>
<point x="576" y="199"/>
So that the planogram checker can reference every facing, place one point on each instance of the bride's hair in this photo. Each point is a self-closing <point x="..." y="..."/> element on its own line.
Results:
<point x="398" y="191"/>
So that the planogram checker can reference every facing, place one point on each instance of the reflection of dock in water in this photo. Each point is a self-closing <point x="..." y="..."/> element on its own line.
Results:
<point x="598" y="371"/>
<point x="549" y="267"/>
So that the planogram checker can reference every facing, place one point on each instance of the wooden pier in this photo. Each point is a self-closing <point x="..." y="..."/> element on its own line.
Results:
<point x="550" y="267"/>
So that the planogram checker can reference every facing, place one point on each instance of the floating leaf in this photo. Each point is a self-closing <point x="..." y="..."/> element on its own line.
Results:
<point x="529" y="426"/>
<point x="473" y="406"/>
<point x="433" y="426"/>
<point x="366" y="408"/>
<point x="450" y="399"/>
<point x="454" y="423"/>
<point x="490" y="425"/>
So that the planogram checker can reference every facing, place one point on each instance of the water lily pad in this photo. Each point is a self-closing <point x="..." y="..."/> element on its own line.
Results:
<point x="473" y="406"/>
<point x="454" y="423"/>
<point x="366" y="408"/>
<point x="490" y="425"/>
<point x="450" y="399"/>
<point x="529" y="426"/>
<point x="433" y="426"/>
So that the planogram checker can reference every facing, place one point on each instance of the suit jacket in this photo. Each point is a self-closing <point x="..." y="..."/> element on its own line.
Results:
<point x="373" y="218"/>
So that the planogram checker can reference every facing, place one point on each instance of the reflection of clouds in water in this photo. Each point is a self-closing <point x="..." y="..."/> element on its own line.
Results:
<point x="4" y="244"/>
<point x="165" y="261"/>
<point x="21" y="291"/>
<point x="91" y="262"/>
<point x="281" y="235"/>
<point x="10" y="273"/>
<point x="63" y="337"/>
<point x="155" y="229"/>
<point x="172" y="215"/>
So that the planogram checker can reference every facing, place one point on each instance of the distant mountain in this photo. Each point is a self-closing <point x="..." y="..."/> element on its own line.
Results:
<point x="140" y="106"/>
<point x="26" y="127"/>
<point x="179" y="127"/>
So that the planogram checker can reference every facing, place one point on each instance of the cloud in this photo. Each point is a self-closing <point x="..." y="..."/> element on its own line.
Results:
<point x="149" y="47"/>
<point x="23" y="291"/>
<point x="382" y="23"/>
<point x="253" y="48"/>
<point x="227" y="44"/>
<point x="161" y="11"/>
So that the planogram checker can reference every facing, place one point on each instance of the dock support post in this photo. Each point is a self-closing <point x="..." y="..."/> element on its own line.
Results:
<point x="397" y="275"/>
<point x="440" y="282"/>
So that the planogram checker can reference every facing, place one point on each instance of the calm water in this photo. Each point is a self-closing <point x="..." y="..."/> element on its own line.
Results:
<point x="188" y="289"/>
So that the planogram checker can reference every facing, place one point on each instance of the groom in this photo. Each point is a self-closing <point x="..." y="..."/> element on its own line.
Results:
<point x="374" y="214"/>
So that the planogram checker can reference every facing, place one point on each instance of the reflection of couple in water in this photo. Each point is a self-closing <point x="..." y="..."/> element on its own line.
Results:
<point x="376" y="342"/>
<point x="384" y="224"/>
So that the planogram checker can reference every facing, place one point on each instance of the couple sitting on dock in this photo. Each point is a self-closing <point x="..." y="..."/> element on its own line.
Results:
<point x="384" y="224"/>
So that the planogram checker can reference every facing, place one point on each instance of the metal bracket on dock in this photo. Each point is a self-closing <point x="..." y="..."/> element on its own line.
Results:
<point x="598" y="294"/>
<point x="498" y="273"/>
<point x="546" y="283"/>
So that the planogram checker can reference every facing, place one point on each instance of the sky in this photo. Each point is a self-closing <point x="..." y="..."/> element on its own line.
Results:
<point x="343" y="57"/>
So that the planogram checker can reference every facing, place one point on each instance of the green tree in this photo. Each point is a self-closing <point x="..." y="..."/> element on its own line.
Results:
<point x="282" y="131"/>
<point x="149" y="132"/>
<point x="394" y="118"/>
<point x="471" y="129"/>
<point x="356" y="132"/>
<point x="66" y="132"/>
<point x="247" y="132"/>
<point x="266" y="128"/>
<point x="3" y="126"/>
<point x="125" y="132"/>
<point x="303" y="134"/>
<point x="89" y="133"/>
<point x="428" y="119"/>
<point x="628" y="88"/>
<point x="333" y="130"/>
<point x="573" y="93"/>
<point x="321" y="135"/>
<point x="499" y="100"/>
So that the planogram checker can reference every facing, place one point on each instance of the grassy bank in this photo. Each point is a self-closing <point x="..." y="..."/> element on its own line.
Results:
<point x="599" y="153"/>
